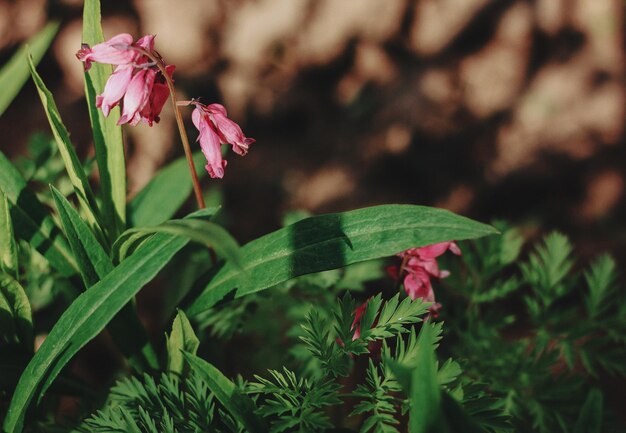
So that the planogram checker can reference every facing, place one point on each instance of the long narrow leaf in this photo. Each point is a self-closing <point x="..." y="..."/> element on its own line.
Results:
<point x="237" y="404"/>
<point x="107" y="135"/>
<point x="204" y="232"/>
<point x="17" y="311"/>
<point x="94" y="264"/>
<point x="333" y="241"/>
<point x="14" y="73"/>
<point x="8" y="246"/>
<point x="161" y="198"/>
<point x="32" y="222"/>
<point x="85" y="318"/>
<point x="66" y="149"/>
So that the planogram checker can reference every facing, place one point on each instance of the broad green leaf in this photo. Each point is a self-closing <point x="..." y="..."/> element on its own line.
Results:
<point x="161" y="198"/>
<point x="590" y="416"/>
<point x="32" y="222"/>
<point x="107" y="135"/>
<point x="205" y="232"/>
<point x="66" y="149"/>
<point x="15" y="313"/>
<point x="94" y="264"/>
<point x="85" y="318"/>
<point x="237" y="404"/>
<point x="8" y="246"/>
<point x="182" y="338"/>
<point x="333" y="241"/>
<point x="14" y="73"/>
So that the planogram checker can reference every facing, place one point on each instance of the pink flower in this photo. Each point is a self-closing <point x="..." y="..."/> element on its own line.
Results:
<point x="356" y="323"/>
<point x="216" y="128"/>
<point x="115" y="51"/>
<point x="137" y="83"/>
<point x="420" y="264"/>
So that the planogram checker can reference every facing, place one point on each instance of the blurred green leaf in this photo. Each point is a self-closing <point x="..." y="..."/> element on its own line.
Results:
<point x="332" y="241"/>
<point x="8" y="246"/>
<point x="601" y="283"/>
<point x="237" y="404"/>
<point x="72" y="163"/>
<point x="94" y="265"/>
<point x="14" y="73"/>
<point x="163" y="196"/>
<point x="196" y="230"/>
<point x="182" y="338"/>
<point x="590" y="416"/>
<point x="107" y="135"/>
<point x="15" y="313"/>
<point x="85" y="318"/>
<point x="32" y="222"/>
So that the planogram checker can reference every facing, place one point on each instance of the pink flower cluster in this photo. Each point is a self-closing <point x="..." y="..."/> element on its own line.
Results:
<point x="215" y="128"/>
<point x="419" y="265"/>
<point x="139" y="85"/>
<point x="136" y="82"/>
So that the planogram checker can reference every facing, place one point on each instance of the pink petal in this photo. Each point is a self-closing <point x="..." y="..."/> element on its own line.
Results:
<point x="356" y="326"/>
<point x="115" y="88"/>
<point x="231" y="133"/>
<point x="434" y="250"/>
<point x="146" y="42"/>
<point x="417" y="285"/>
<point x="137" y="95"/>
<point x="455" y="248"/>
<point x="115" y="51"/>
<point x="210" y="144"/>
<point x="216" y="109"/>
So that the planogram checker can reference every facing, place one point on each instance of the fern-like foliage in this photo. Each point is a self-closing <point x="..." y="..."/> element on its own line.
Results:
<point x="378" y="401"/>
<point x="318" y="340"/>
<point x="382" y="320"/>
<point x="149" y="406"/>
<point x="294" y="404"/>
<point x="548" y="266"/>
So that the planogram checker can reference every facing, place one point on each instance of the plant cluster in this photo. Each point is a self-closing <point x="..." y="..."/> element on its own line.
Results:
<point x="299" y="330"/>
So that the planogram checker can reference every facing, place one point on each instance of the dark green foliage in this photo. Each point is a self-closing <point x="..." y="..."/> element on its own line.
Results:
<point x="292" y="403"/>
<point x="150" y="406"/>
<point x="547" y="342"/>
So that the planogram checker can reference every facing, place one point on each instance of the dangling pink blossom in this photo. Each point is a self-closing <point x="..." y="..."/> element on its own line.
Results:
<point x="115" y="51"/>
<point x="137" y="83"/>
<point x="215" y="129"/>
<point x="420" y="264"/>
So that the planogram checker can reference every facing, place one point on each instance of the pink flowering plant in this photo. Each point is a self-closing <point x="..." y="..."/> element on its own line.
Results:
<point x="356" y="346"/>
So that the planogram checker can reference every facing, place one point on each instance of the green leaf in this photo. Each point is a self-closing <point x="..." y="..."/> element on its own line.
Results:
<point x="601" y="283"/>
<point x="333" y="241"/>
<point x="32" y="222"/>
<point x="85" y="318"/>
<point x="66" y="149"/>
<point x="15" y="313"/>
<point x="205" y="232"/>
<point x="549" y="264"/>
<point x="161" y="198"/>
<point x="94" y="264"/>
<point x="14" y="73"/>
<point x="8" y="247"/>
<point x="107" y="135"/>
<point x="420" y="382"/>
<point x="590" y="417"/>
<point x="182" y="338"/>
<point x="236" y="403"/>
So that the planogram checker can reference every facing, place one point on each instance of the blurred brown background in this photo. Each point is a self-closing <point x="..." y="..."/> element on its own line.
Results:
<point x="491" y="108"/>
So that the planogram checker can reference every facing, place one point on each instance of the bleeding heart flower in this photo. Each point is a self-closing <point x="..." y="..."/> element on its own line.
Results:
<point x="215" y="129"/>
<point x="420" y="264"/>
<point x="137" y="82"/>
